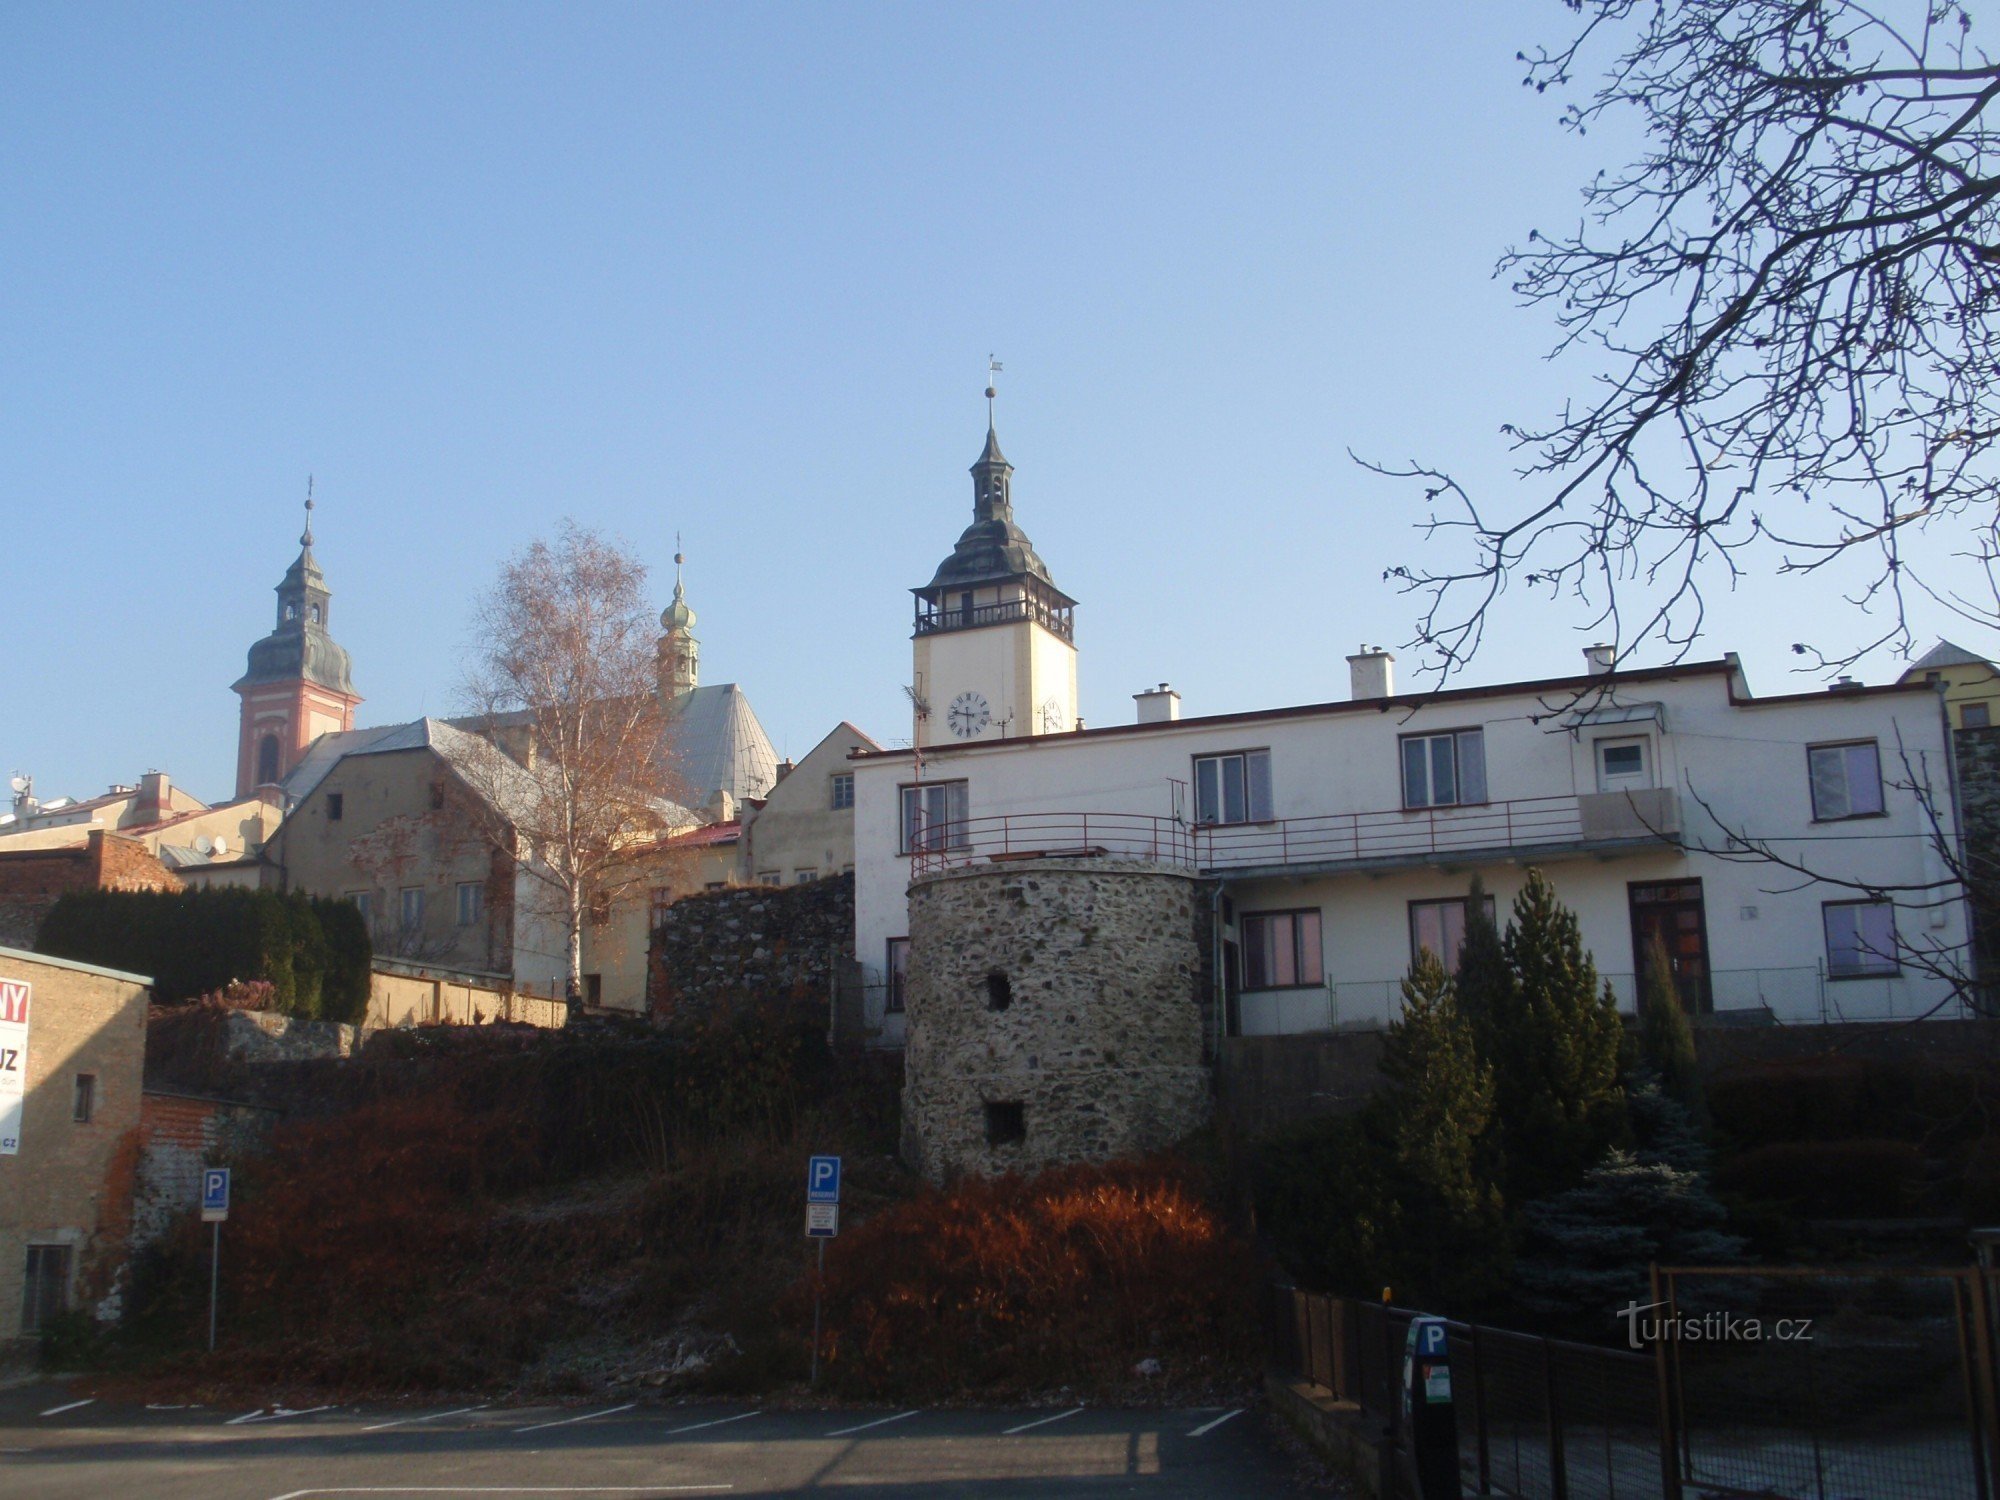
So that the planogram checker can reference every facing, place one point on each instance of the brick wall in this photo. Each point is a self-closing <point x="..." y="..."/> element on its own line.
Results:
<point x="179" y="1134"/>
<point x="31" y="880"/>
<point x="72" y="1183"/>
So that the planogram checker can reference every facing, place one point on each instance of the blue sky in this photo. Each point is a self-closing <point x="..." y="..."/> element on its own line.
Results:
<point x="734" y="272"/>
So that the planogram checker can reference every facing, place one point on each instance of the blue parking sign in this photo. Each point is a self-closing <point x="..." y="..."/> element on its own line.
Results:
<point x="214" y="1194"/>
<point x="823" y="1180"/>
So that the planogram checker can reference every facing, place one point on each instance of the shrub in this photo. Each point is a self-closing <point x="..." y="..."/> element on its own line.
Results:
<point x="1828" y="1179"/>
<point x="312" y="952"/>
<point x="1016" y="1284"/>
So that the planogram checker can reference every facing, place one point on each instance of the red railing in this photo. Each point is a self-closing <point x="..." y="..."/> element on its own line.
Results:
<point x="1054" y="835"/>
<point x="1336" y="838"/>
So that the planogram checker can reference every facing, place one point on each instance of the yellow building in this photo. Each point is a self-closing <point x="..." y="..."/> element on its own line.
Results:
<point x="1971" y="684"/>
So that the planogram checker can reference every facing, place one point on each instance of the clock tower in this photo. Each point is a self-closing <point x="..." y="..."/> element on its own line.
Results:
<point x="995" y="643"/>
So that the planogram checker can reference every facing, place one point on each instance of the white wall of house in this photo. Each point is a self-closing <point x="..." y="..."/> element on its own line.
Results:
<point x="1342" y="843"/>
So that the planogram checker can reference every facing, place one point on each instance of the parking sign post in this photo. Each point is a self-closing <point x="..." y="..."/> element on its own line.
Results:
<point x="822" y="1224"/>
<point x="214" y="1209"/>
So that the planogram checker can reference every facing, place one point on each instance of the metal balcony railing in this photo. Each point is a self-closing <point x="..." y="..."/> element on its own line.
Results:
<point x="1054" y="835"/>
<point x="1593" y="819"/>
<point x="1056" y="618"/>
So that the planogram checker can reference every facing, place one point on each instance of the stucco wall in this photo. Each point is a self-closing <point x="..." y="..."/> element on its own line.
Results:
<point x="71" y="1183"/>
<point x="417" y="997"/>
<point x="1099" y="1041"/>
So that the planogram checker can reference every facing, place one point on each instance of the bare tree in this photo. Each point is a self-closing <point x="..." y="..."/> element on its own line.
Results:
<point x="564" y="681"/>
<point x="1789" y="304"/>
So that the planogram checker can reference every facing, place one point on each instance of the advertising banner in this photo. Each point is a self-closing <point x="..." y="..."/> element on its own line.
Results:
<point x="14" y="995"/>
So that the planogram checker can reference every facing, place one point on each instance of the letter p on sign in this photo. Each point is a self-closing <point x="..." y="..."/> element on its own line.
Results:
<point x="823" y="1180"/>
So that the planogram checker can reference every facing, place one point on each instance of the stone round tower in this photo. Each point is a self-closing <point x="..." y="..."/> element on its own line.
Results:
<point x="1052" y="1015"/>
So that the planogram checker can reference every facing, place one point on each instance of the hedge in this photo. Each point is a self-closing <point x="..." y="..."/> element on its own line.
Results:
<point x="313" y="950"/>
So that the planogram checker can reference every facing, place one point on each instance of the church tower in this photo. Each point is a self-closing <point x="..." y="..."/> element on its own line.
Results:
<point x="298" y="686"/>
<point x="995" y="643"/>
<point x="678" y="654"/>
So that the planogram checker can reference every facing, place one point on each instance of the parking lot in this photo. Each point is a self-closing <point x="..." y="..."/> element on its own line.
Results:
<point x="57" y="1445"/>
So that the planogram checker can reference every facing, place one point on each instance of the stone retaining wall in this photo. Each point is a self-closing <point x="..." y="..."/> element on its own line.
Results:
<point x="1053" y="1016"/>
<point x="761" y="942"/>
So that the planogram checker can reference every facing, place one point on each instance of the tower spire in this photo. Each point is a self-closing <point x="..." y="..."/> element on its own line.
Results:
<point x="306" y="536"/>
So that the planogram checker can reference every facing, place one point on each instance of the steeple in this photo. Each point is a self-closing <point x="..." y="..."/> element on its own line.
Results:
<point x="299" y="683"/>
<point x="679" y="654"/>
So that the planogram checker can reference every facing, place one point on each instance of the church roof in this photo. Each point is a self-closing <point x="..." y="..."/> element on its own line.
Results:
<point x="299" y="647"/>
<point x="718" y="745"/>
<point x="993" y="548"/>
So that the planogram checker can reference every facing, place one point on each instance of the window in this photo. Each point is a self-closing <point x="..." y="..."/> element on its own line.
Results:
<point x="843" y="789"/>
<point x="437" y="798"/>
<point x="471" y="903"/>
<point x="46" y="1295"/>
<point x="1280" y="950"/>
<point x="84" y="1100"/>
<point x="659" y="898"/>
<point x="1440" y="927"/>
<point x="770" y="877"/>
<point x="711" y="885"/>
<point x="1846" y="781"/>
<point x="898" y="971"/>
<point x="1860" y="939"/>
<point x="1006" y="1123"/>
<point x="267" y="760"/>
<point x="804" y="877"/>
<point x="1975" y="716"/>
<point x="1233" y="788"/>
<point x="364" y="902"/>
<point x="412" y="907"/>
<point x="1621" y="765"/>
<point x="999" y="991"/>
<point x="1444" y="770"/>
<point x="593" y="989"/>
<point x="313" y="614"/>
<point x="336" y="804"/>
<point x="934" y="817"/>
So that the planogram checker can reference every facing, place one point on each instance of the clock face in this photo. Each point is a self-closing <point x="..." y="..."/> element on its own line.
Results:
<point x="968" y="715"/>
<point x="1054" y="720"/>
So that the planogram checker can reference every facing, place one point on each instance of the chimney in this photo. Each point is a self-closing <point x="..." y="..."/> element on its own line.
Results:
<point x="1847" y="685"/>
<point x="1372" y="673"/>
<point x="785" y="768"/>
<point x="1599" y="660"/>
<point x="153" y="797"/>
<point x="1160" y="705"/>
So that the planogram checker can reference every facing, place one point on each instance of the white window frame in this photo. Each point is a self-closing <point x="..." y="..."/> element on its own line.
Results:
<point x="1446" y="751"/>
<point x="1847" y="925"/>
<point x="472" y="894"/>
<point x="1627" y="781"/>
<point x="1831" y="779"/>
<point x="933" y="815"/>
<point x="841" y="793"/>
<point x="1233" y="786"/>
<point x="407" y="919"/>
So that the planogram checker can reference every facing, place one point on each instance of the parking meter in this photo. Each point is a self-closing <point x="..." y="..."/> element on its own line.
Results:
<point x="1430" y="1422"/>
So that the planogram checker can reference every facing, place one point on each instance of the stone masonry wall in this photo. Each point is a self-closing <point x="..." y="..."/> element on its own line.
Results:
<point x="1056" y="996"/>
<point x="760" y="942"/>
<point x="179" y="1134"/>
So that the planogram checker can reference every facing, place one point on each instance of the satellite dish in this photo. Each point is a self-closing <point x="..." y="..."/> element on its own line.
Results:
<point x="221" y="847"/>
<point x="20" y="783"/>
<point x="204" y="846"/>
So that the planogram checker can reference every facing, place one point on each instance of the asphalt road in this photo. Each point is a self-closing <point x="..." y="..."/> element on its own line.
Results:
<point x="54" y="1450"/>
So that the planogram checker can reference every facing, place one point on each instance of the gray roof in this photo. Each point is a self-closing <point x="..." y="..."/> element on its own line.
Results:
<point x="1945" y="654"/>
<point x="717" y="745"/>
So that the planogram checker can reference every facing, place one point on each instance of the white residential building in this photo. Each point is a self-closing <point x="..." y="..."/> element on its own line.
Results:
<point x="1343" y="835"/>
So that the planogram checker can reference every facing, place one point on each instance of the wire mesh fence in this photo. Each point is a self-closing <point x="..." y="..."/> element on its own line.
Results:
<point x="1747" y="1384"/>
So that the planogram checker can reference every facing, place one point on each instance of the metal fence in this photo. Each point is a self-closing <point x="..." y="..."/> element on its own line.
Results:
<point x="1754" y="1384"/>
<point x="1537" y="1417"/>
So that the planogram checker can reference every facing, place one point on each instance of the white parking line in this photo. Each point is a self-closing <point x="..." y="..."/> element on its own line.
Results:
<point x="508" y="1489"/>
<point x="277" y="1414"/>
<point x="56" y="1411"/>
<point x="432" y="1417"/>
<point x="1211" y="1426"/>
<point x="245" y="1417"/>
<point x="609" y="1411"/>
<point x="718" y="1422"/>
<point x="1041" y="1422"/>
<point x="878" y="1422"/>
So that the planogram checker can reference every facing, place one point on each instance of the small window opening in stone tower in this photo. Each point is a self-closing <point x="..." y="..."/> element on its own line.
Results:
<point x="999" y="991"/>
<point x="1006" y="1123"/>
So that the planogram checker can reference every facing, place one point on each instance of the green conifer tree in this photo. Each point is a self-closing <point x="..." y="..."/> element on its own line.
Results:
<point x="1553" y="1050"/>
<point x="1666" y="1040"/>
<point x="1485" y="984"/>
<point x="1448" y="1242"/>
